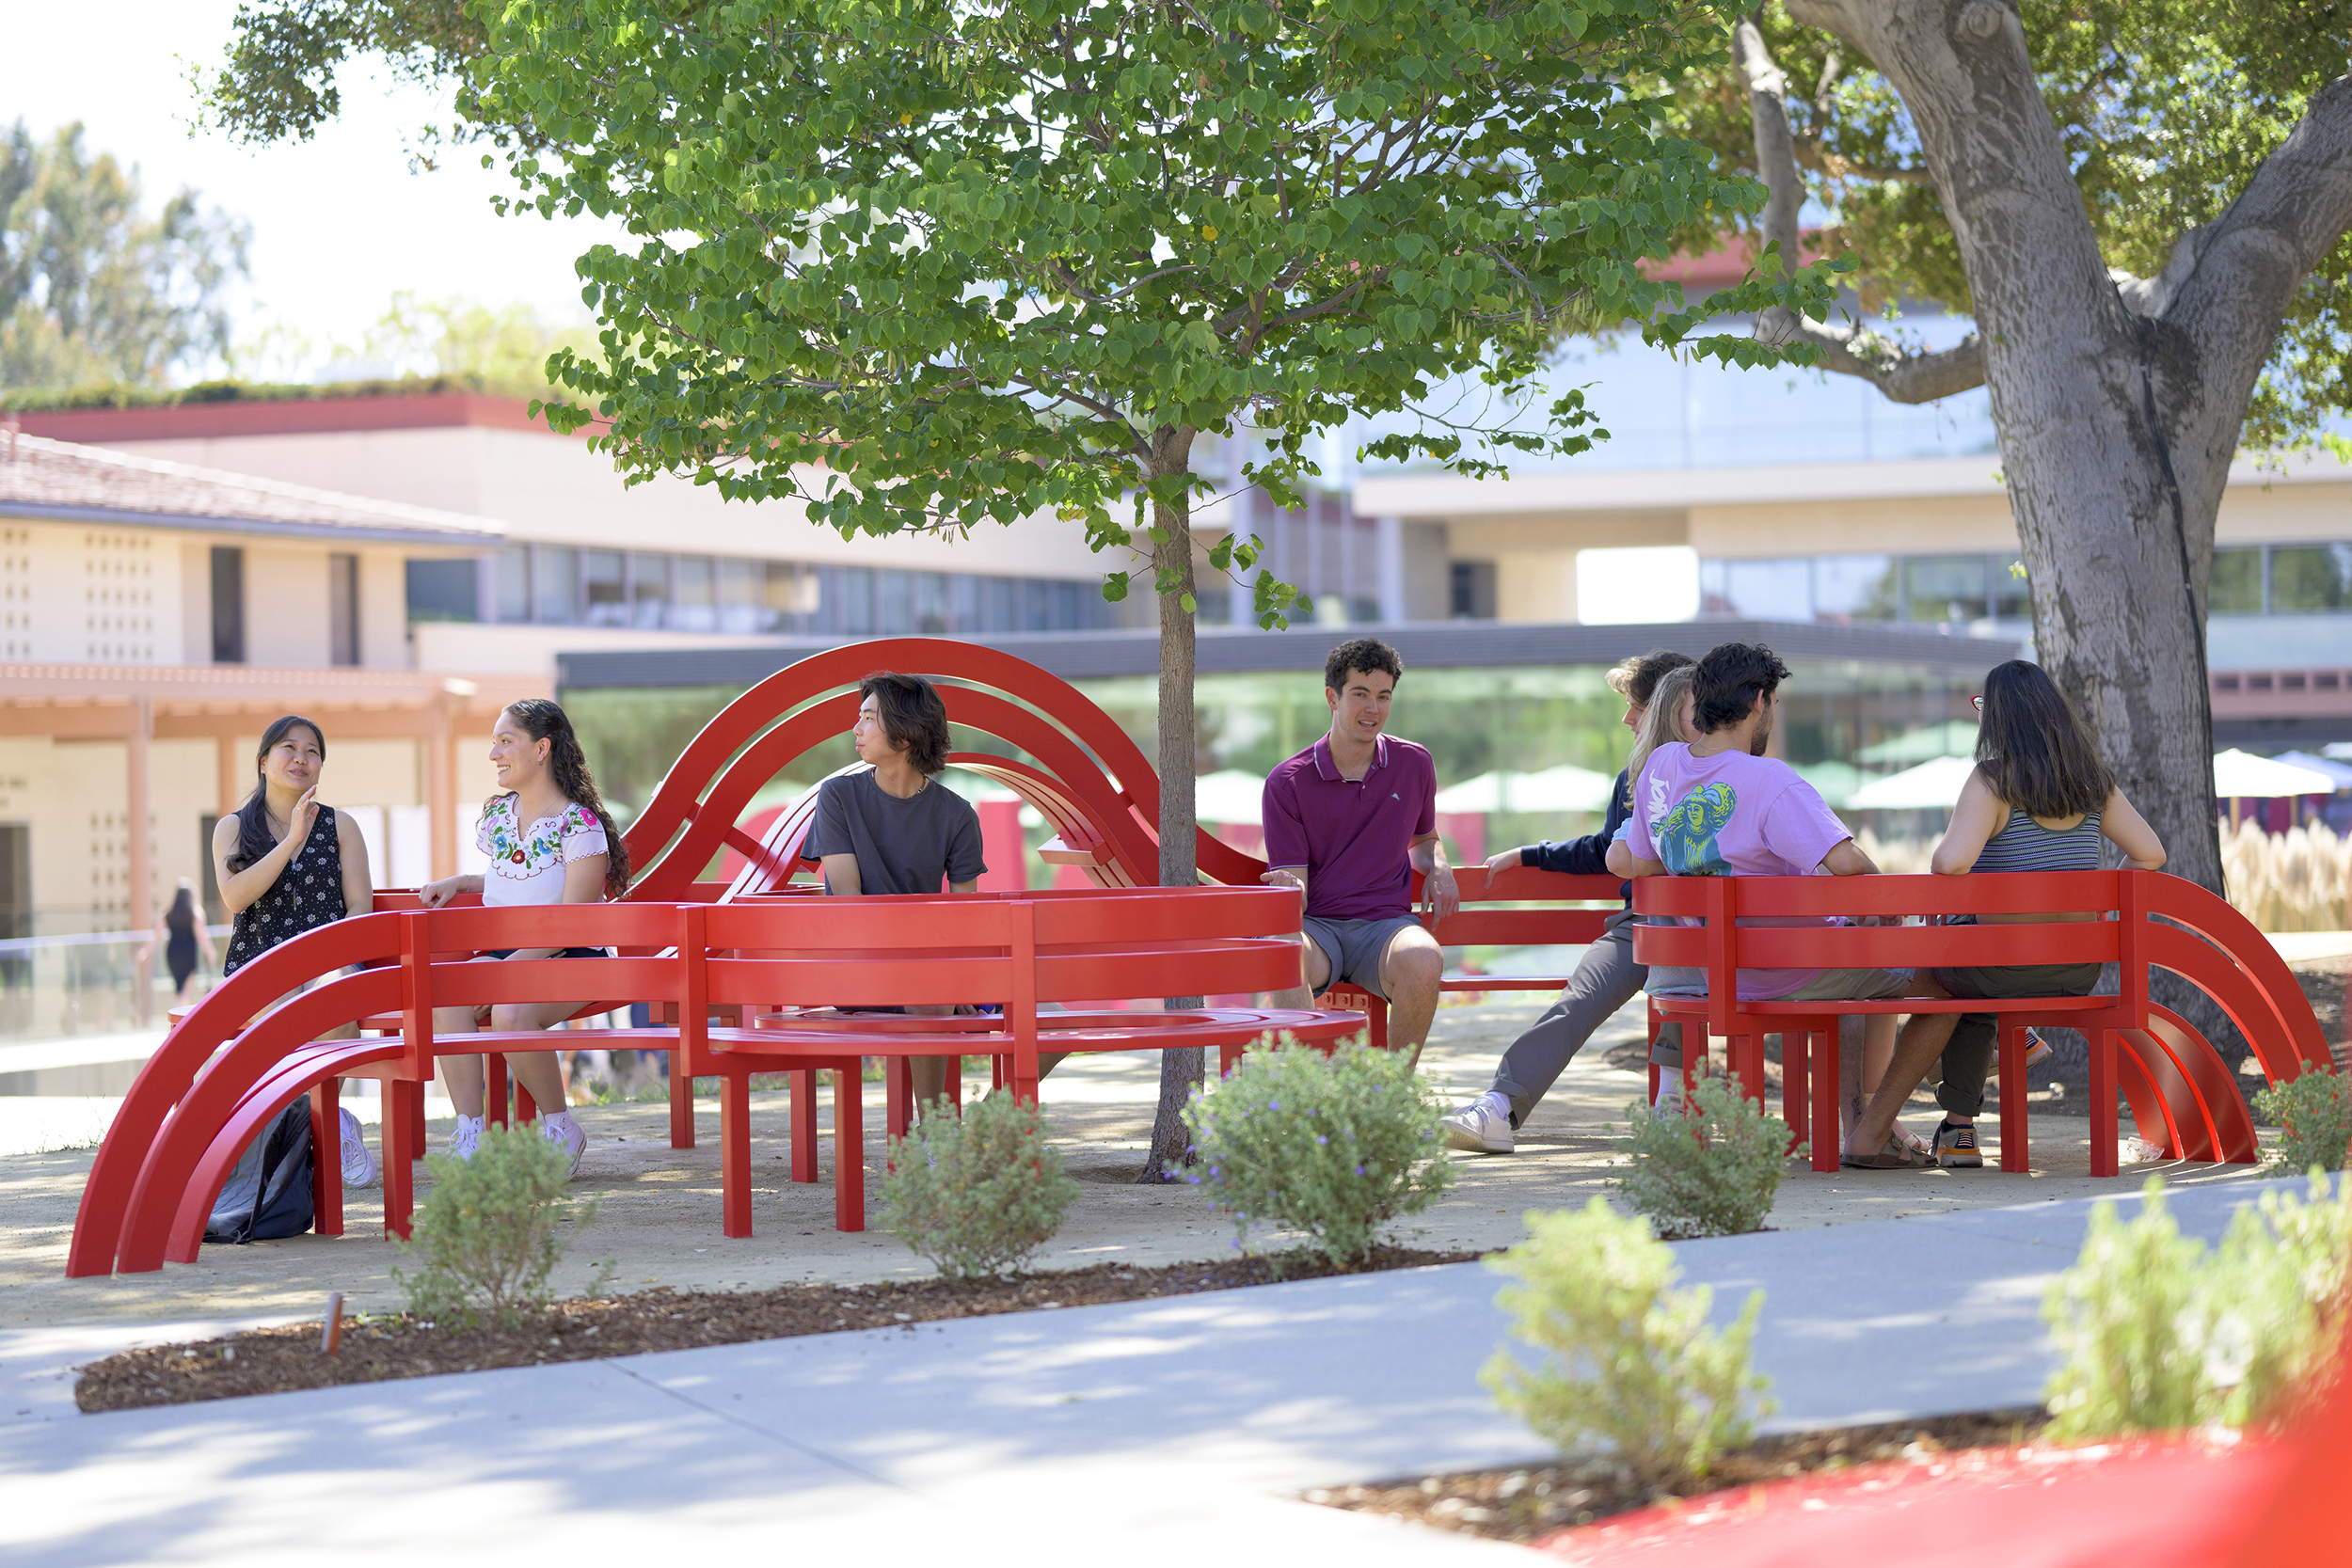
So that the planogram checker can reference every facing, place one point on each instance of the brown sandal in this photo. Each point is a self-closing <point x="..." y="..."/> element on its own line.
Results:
<point x="1893" y="1157"/>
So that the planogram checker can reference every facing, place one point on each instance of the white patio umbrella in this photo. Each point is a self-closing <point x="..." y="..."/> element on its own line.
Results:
<point x="1564" y="788"/>
<point x="1931" y="786"/>
<point x="1229" y="796"/>
<point x="2241" y="775"/>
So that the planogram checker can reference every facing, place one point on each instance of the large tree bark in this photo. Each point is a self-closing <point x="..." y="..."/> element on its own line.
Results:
<point x="2117" y="401"/>
<point x="1181" y="1069"/>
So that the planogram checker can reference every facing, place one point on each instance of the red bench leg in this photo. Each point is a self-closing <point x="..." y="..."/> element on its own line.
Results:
<point x="494" y="1090"/>
<point x="326" y="1160"/>
<point x="2012" y="1067"/>
<point x="1746" y="1059"/>
<point x="805" y="1125"/>
<point x="1377" y="1018"/>
<point x="734" y="1153"/>
<point x="2103" y="1128"/>
<point x="952" y="1085"/>
<point x="526" y="1108"/>
<point x="1228" y="1058"/>
<point x="848" y="1149"/>
<point x="402" y="1143"/>
<point x="1796" y="1056"/>
<point x="899" y="1096"/>
<point x="1825" y="1060"/>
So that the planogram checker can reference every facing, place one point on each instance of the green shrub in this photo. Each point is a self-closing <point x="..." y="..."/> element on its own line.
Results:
<point x="1712" y="1170"/>
<point x="2314" y="1116"/>
<point x="2155" y="1335"/>
<point x="484" y="1237"/>
<point x="1332" y="1147"/>
<point x="1630" y="1359"/>
<point x="977" y="1194"/>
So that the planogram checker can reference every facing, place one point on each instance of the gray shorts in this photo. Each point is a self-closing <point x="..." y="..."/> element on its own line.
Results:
<point x="1354" y="947"/>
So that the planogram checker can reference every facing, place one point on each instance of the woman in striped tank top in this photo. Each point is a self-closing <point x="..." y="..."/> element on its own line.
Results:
<point x="2041" y="800"/>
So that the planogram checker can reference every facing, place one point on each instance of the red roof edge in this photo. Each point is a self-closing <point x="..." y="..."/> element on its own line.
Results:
<point x="181" y="421"/>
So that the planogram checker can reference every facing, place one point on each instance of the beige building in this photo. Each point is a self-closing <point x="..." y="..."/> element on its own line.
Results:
<point x="155" y="618"/>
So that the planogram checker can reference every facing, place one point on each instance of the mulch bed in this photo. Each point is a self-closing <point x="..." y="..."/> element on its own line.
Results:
<point x="273" y="1360"/>
<point x="1527" y="1502"/>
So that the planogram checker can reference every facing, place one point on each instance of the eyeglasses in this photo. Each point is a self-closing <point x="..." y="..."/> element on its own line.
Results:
<point x="1976" y="703"/>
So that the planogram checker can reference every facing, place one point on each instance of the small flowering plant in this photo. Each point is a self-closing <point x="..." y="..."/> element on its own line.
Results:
<point x="1332" y="1147"/>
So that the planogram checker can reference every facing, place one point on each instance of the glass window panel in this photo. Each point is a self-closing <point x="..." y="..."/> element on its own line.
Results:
<point x="443" y="591"/>
<point x="1943" y="588"/>
<point x="514" y="574"/>
<point x="2236" y="585"/>
<point x="1003" y="614"/>
<point x="603" y="587"/>
<point x="1036" y="605"/>
<point x="555" y="584"/>
<point x="1714" y="595"/>
<point x="932" y="618"/>
<point x="964" y="595"/>
<point x="793" y="594"/>
<point x="857" y="601"/>
<point x="1854" y="588"/>
<point x="894" y="603"/>
<point x="649" y="588"/>
<point x="694" y="593"/>
<point x="2309" y="576"/>
<point x="2013" y="596"/>
<point x="743" y="587"/>
<point x="1770" y="590"/>
<point x="1066" y="606"/>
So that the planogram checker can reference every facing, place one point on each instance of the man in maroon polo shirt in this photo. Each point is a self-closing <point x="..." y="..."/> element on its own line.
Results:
<point x="1349" y="820"/>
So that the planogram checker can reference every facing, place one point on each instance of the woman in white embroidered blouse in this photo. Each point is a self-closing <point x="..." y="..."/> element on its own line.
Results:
<point x="550" y="841"/>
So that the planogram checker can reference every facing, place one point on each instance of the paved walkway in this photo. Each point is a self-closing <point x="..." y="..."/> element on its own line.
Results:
<point x="1171" y="1427"/>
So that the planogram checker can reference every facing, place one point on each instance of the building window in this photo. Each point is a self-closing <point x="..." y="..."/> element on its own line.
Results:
<point x="554" y="584"/>
<point x="1474" y="591"/>
<point x="2309" y="578"/>
<point x="342" y="610"/>
<point x="444" y="590"/>
<point x="793" y="598"/>
<point x="513" y="582"/>
<point x="228" y="604"/>
<point x="857" y="601"/>
<point x="1002" y="612"/>
<point x="2236" y="587"/>
<point x="1947" y="589"/>
<point x="742" y="590"/>
<point x="693" y="594"/>
<point x="603" y="587"/>
<point x="648" y="590"/>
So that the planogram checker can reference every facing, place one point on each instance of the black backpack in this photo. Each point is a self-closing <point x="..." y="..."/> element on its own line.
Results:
<point x="267" y="1194"/>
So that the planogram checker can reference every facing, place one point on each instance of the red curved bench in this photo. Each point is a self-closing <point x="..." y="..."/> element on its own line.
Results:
<point x="2183" y="1095"/>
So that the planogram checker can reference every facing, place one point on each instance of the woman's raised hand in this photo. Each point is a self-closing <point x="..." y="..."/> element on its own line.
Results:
<point x="433" y="895"/>
<point x="302" y="819"/>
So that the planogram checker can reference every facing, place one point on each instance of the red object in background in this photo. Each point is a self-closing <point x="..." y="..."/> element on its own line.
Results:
<point x="1465" y="834"/>
<point x="1247" y="837"/>
<point x="1001" y="845"/>
<point x="733" y="863"/>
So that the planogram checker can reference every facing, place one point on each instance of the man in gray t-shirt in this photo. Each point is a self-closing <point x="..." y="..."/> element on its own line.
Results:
<point x="894" y="827"/>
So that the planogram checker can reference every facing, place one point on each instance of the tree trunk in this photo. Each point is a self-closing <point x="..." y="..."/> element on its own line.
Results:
<point x="1181" y="1069"/>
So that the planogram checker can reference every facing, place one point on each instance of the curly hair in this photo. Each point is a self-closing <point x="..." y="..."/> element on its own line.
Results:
<point x="1729" y="679"/>
<point x="544" y="719"/>
<point x="1367" y="654"/>
<point x="914" y="715"/>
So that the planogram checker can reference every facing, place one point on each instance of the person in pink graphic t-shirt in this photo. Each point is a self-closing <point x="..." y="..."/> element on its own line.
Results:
<point x="1722" y="808"/>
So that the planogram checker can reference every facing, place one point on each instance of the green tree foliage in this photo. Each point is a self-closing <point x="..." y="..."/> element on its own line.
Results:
<point x="94" y="292"/>
<point x="2165" y="109"/>
<point x="979" y="263"/>
<point x="279" y="81"/>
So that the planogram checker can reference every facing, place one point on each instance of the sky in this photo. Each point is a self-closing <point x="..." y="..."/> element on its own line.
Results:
<point x="340" y="223"/>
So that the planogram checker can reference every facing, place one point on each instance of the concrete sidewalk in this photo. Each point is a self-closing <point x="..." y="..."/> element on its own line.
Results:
<point x="1066" y="1436"/>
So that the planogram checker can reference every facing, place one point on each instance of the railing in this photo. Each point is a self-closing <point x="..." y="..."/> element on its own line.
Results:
<point x="74" y="984"/>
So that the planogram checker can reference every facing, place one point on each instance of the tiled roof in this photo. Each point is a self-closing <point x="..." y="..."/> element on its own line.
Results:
<point x="41" y="478"/>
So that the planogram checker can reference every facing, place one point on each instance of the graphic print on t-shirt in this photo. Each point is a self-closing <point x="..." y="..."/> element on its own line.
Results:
<point x="1686" y="839"/>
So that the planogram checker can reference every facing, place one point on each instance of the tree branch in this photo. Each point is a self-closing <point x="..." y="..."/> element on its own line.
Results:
<point x="1904" y="376"/>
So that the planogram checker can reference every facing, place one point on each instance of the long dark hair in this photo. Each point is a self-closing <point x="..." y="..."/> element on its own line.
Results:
<point x="254" y="839"/>
<point x="182" y="910"/>
<point x="544" y="719"/>
<point x="2032" y="749"/>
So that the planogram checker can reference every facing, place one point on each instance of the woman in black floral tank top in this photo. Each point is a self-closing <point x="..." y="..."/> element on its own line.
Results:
<point x="287" y="864"/>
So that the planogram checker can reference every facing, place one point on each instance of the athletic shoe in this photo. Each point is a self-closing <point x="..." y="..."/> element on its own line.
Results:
<point x="1482" y="1126"/>
<point x="466" y="1137"/>
<point x="559" y="1129"/>
<point x="359" y="1167"/>
<point x="1956" y="1147"/>
<point x="2036" y="1047"/>
<point x="1669" y="1100"/>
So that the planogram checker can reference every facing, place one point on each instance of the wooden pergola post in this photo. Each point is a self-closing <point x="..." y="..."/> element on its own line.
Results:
<point x="136" y="806"/>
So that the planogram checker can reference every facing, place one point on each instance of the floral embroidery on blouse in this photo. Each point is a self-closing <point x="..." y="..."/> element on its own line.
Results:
<point x="571" y="835"/>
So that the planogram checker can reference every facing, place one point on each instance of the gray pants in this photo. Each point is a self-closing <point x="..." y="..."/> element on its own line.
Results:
<point x="1605" y="979"/>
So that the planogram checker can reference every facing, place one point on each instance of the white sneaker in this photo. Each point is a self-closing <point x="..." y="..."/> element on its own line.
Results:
<point x="1669" y="1100"/>
<point x="359" y="1167"/>
<point x="560" y="1129"/>
<point x="466" y="1137"/>
<point x="1482" y="1126"/>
